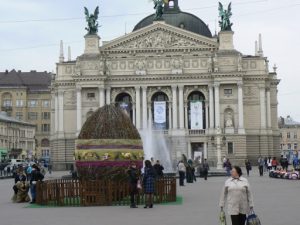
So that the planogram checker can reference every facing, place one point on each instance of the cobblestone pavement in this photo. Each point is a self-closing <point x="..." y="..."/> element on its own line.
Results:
<point x="276" y="202"/>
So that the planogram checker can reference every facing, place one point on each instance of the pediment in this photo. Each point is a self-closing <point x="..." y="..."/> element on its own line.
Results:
<point x="160" y="36"/>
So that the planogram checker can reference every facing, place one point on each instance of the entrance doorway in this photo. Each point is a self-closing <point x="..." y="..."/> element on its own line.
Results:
<point x="197" y="151"/>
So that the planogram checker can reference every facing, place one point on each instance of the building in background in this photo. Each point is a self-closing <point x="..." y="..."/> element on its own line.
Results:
<point x="174" y="77"/>
<point x="17" y="138"/>
<point x="289" y="137"/>
<point x="26" y="97"/>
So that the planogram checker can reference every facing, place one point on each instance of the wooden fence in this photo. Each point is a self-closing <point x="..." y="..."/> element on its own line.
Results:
<point x="99" y="192"/>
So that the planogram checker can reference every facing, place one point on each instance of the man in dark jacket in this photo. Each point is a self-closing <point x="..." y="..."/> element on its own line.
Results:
<point x="158" y="169"/>
<point x="36" y="175"/>
<point x="205" y="169"/>
<point x="133" y="174"/>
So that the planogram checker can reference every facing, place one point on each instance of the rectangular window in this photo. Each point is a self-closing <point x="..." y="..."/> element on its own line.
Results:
<point x="7" y="103"/>
<point x="32" y="103"/>
<point x="46" y="115"/>
<point x="45" y="127"/>
<point x="19" y="103"/>
<point x="230" y="148"/>
<point x="32" y="115"/>
<point x="90" y="95"/>
<point x="46" y="103"/>
<point x="289" y="146"/>
<point x="295" y="146"/>
<point x="295" y="135"/>
<point x="288" y="135"/>
<point x="19" y="115"/>
<point x="227" y="91"/>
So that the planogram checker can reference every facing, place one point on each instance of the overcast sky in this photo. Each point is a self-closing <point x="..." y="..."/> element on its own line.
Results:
<point x="31" y="31"/>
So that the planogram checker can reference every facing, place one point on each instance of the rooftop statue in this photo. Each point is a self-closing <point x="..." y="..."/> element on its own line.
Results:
<point x="91" y="19"/>
<point x="225" y="15"/>
<point x="159" y="6"/>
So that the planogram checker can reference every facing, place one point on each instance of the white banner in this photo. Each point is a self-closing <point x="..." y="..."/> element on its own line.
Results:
<point x="160" y="112"/>
<point x="196" y="115"/>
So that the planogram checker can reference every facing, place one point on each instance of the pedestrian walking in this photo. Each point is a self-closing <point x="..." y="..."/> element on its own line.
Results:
<point x="133" y="174"/>
<point x="205" y="169"/>
<point x="238" y="196"/>
<point x="228" y="167"/>
<point x="274" y="163"/>
<point x="181" y="170"/>
<point x="148" y="181"/>
<point x="261" y="164"/>
<point x="266" y="164"/>
<point x="269" y="164"/>
<point x="248" y="167"/>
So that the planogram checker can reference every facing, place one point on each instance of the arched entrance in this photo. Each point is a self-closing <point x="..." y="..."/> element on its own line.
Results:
<point x="196" y="111"/>
<point x="160" y="111"/>
<point x="124" y="101"/>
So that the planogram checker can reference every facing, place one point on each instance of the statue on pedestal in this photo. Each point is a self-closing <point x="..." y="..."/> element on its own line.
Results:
<point x="91" y="19"/>
<point x="229" y="120"/>
<point x="159" y="6"/>
<point x="225" y="15"/>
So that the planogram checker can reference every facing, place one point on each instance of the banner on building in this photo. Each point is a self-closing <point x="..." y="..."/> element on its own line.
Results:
<point x="160" y="112"/>
<point x="196" y="115"/>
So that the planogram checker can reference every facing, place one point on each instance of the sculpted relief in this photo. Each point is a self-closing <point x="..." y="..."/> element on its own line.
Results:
<point x="160" y="39"/>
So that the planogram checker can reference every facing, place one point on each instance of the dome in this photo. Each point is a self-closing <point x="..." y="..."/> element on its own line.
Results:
<point x="173" y="16"/>
<point x="109" y="122"/>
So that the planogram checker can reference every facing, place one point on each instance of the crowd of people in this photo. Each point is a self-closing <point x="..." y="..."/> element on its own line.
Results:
<point x="25" y="181"/>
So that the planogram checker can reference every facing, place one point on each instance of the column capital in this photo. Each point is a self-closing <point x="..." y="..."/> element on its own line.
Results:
<point x="181" y="87"/>
<point x="108" y="88"/>
<point x="267" y="89"/>
<point x="240" y="84"/>
<point x="60" y="92"/>
<point x="144" y="88"/>
<point x="216" y="84"/>
<point x="174" y="87"/>
<point x="137" y="88"/>
<point x="78" y="88"/>
<point x="101" y="88"/>
<point x="210" y="86"/>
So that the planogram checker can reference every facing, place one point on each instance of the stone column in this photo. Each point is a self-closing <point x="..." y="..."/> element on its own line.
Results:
<point x="217" y="104"/>
<point x="269" y="116"/>
<point x="174" y="107"/>
<point x="108" y="96"/>
<point x="138" y="107"/>
<point x="133" y="115"/>
<point x="211" y="107"/>
<point x="144" y="88"/>
<point x="206" y="115"/>
<point x="181" y="107"/>
<point x="78" y="110"/>
<point x="101" y="97"/>
<point x="170" y="115"/>
<point x="263" y="107"/>
<point x="241" y="108"/>
<point x="205" y="150"/>
<point x="186" y="114"/>
<point x="60" y="111"/>
<point x="56" y="111"/>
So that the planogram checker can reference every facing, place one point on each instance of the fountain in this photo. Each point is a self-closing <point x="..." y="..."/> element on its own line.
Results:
<point x="155" y="145"/>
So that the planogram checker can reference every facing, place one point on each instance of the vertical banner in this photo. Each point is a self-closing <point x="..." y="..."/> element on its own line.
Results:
<point x="125" y="107"/>
<point x="160" y="113"/>
<point x="196" y="115"/>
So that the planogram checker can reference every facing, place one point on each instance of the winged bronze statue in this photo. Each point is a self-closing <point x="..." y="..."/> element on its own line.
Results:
<point x="91" y="19"/>
<point x="159" y="7"/>
<point x="225" y="15"/>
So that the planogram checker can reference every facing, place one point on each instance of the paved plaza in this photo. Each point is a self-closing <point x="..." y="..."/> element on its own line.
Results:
<point x="276" y="202"/>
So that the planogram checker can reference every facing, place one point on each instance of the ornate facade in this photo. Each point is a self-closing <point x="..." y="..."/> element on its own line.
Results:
<point x="165" y="62"/>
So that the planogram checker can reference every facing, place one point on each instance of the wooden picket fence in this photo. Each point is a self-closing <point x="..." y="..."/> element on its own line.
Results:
<point x="99" y="192"/>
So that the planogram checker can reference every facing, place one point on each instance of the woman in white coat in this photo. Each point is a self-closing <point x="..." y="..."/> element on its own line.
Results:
<point x="237" y="194"/>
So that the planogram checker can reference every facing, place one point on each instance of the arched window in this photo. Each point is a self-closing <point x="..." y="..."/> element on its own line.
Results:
<point x="45" y="142"/>
<point x="160" y="111"/>
<point x="124" y="101"/>
<point x="196" y="111"/>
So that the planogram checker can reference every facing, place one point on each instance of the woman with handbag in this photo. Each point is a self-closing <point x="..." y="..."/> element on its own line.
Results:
<point x="237" y="194"/>
<point x="148" y="182"/>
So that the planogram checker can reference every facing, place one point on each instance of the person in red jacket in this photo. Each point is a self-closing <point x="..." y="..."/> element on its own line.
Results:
<point x="274" y="163"/>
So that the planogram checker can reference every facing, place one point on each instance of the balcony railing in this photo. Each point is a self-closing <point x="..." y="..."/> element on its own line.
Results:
<point x="6" y="108"/>
<point x="196" y="132"/>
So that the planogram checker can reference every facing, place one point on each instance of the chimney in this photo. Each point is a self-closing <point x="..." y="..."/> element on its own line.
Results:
<point x="260" y="49"/>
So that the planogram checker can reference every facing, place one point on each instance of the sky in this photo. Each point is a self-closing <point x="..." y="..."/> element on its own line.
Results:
<point x="32" y="29"/>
